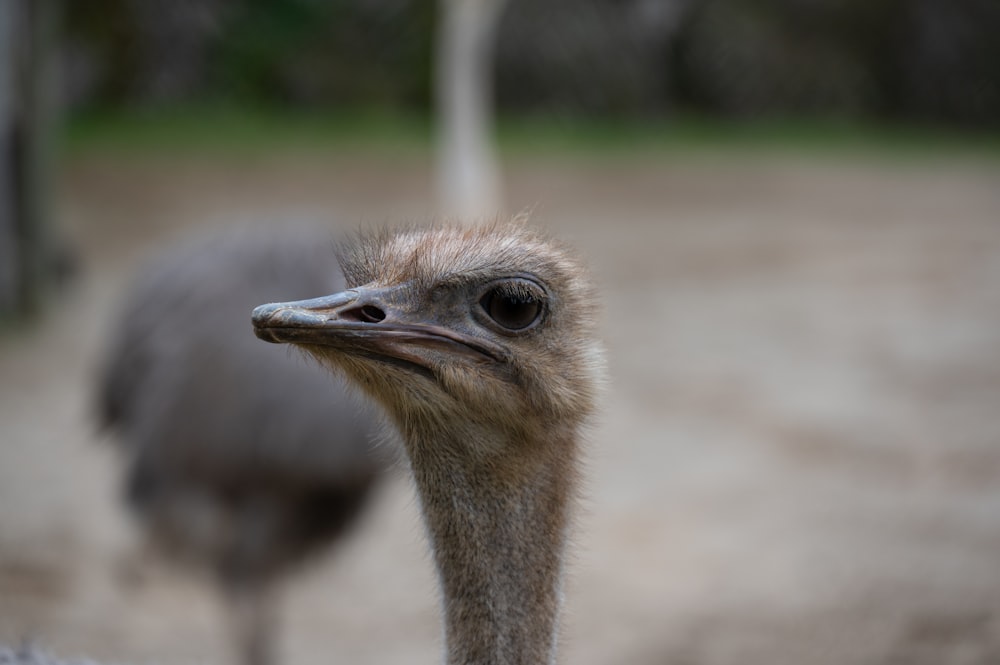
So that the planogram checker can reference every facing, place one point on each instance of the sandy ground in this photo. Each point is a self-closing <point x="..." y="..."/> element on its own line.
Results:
<point x="798" y="460"/>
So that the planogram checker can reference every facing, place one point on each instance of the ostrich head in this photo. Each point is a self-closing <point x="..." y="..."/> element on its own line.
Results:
<point x="479" y="342"/>
<point x="446" y="326"/>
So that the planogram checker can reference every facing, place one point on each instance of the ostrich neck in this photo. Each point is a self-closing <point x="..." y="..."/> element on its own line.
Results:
<point x="498" y="529"/>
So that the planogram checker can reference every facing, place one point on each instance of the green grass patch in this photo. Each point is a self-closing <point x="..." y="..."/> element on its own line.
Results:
<point x="687" y="134"/>
<point x="236" y="129"/>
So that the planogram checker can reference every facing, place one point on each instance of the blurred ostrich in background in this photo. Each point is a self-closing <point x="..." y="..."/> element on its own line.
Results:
<point x="241" y="459"/>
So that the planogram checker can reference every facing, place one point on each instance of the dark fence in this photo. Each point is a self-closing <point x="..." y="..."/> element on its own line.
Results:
<point x="936" y="60"/>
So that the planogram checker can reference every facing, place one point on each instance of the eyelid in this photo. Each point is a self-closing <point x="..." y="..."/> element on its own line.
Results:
<point x="518" y="291"/>
<point x="517" y="288"/>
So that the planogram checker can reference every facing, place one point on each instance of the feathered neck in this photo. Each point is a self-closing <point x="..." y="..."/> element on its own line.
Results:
<point x="497" y="521"/>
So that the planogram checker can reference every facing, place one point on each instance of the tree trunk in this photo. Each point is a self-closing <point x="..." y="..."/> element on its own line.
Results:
<point x="9" y="264"/>
<point x="27" y="113"/>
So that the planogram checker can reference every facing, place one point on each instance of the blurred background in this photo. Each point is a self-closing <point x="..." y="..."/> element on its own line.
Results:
<point x="792" y="208"/>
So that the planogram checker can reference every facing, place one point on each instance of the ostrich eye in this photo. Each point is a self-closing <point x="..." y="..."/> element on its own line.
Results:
<point x="513" y="305"/>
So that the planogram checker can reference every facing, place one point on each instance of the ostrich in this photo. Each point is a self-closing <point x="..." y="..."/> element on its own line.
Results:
<point x="222" y="433"/>
<point x="479" y="342"/>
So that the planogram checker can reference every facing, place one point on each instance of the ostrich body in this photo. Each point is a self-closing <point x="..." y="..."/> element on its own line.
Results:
<point x="231" y="462"/>
<point x="479" y="343"/>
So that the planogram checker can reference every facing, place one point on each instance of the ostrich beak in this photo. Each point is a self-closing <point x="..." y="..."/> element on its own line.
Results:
<point x="285" y="321"/>
<point x="368" y="321"/>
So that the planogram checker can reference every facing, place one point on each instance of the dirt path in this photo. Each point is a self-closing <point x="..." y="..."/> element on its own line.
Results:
<point x="798" y="462"/>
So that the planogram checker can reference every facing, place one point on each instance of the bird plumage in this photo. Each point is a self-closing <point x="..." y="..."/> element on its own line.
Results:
<point x="240" y="458"/>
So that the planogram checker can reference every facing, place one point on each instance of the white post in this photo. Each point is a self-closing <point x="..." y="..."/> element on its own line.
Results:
<point x="468" y="169"/>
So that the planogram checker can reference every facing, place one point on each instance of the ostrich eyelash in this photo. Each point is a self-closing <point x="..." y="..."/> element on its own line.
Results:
<point x="519" y="290"/>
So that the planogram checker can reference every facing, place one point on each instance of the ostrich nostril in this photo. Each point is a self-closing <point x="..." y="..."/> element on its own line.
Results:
<point x="372" y="314"/>
<point x="366" y="313"/>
